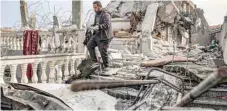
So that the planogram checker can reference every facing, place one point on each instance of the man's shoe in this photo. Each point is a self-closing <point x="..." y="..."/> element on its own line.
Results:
<point x="95" y="65"/>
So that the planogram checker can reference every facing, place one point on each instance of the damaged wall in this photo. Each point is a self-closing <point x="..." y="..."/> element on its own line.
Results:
<point x="202" y="32"/>
<point x="165" y="21"/>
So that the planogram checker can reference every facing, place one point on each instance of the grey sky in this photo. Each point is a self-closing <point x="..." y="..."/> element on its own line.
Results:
<point x="214" y="10"/>
<point x="10" y="10"/>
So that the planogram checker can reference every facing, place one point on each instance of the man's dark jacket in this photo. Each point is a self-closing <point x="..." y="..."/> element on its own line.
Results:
<point x="105" y="26"/>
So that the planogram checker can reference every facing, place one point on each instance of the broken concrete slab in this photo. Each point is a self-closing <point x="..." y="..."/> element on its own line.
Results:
<point x="32" y="98"/>
<point x="167" y="13"/>
<point x="85" y="100"/>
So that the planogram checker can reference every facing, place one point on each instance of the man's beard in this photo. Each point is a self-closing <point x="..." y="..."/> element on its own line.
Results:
<point x="98" y="12"/>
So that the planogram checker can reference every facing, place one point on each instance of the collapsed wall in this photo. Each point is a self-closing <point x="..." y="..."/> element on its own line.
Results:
<point x="173" y="20"/>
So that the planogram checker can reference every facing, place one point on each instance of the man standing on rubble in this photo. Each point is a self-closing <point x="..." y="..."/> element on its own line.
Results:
<point x="102" y="34"/>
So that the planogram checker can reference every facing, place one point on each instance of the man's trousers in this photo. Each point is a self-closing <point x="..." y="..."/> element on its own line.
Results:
<point x="102" y="46"/>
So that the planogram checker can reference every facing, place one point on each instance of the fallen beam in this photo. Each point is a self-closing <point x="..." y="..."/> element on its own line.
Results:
<point x="82" y="85"/>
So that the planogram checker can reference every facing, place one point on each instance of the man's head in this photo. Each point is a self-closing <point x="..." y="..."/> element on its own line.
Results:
<point x="97" y="6"/>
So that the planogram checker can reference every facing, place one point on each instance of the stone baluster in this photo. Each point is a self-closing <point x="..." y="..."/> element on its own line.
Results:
<point x="44" y="76"/>
<point x="2" y="69"/>
<point x="18" y="43"/>
<point x="64" y="46"/>
<point x="14" y="43"/>
<point x="11" y="42"/>
<point x="3" y="41"/>
<point x="7" y="41"/>
<point x="44" y="43"/>
<point x="66" y="71"/>
<point x="22" y="42"/>
<point x="46" y="38"/>
<point x="53" y="47"/>
<point x="59" y="73"/>
<point x="72" y="70"/>
<point x="75" y="44"/>
<point x="34" y="74"/>
<point x="70" y="43"/>
<point x="52" y="72"/>
<point x="24" y="78"/>
<point x="13" y="71"/>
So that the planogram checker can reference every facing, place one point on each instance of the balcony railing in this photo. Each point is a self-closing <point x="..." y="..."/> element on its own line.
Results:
<point x="51" y="57"/>
<point x="70" y="42"/>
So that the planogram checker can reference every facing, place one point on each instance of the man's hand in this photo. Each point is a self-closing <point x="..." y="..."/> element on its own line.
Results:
<point x="96" y="27"/>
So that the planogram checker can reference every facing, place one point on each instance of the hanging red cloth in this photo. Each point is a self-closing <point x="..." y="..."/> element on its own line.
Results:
<point x="30" y="47"/>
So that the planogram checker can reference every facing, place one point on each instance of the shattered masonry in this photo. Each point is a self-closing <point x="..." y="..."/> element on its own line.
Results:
<point x="164" y="56"/>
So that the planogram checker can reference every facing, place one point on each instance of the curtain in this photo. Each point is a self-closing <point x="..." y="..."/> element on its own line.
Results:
<point x="30" y="47"/>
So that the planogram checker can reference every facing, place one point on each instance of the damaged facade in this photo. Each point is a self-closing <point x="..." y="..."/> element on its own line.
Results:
<point x="163" y="56"/>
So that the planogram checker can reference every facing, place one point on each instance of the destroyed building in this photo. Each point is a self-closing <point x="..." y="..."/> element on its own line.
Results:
<point x="163" y="56"/>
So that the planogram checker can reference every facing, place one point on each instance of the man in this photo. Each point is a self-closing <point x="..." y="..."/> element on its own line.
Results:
<point x="102" y="34"/>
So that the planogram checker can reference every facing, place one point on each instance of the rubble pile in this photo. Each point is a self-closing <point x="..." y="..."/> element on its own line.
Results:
<point x="161" y="57"/>
<point x="177" y="58"/>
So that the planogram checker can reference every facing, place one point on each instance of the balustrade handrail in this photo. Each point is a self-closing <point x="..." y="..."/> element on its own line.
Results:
<point x="64" y="42"/>
<point x="39" y="58"/>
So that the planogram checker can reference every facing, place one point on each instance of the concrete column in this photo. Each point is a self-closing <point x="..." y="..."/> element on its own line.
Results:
<point x="24" y="13"/>
<point x="80" y="45"/>
<point x="77" y="13"/>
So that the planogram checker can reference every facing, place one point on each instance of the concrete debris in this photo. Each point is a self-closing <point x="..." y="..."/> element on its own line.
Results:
<point x="165" y="60"/>
<point x="167" y="13"/>
<point x="163" y="55"/>
<point x="31" y="99"/>
<point x="209" y="82"/>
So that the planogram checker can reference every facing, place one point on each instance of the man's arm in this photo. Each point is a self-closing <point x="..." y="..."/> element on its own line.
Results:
<point x="106" y="18"/>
